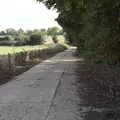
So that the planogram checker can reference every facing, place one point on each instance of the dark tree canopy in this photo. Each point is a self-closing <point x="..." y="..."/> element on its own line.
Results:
<point x="93" y="25"/>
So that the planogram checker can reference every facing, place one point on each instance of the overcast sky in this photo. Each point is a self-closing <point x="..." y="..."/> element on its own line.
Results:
<point x="25" y="14"/>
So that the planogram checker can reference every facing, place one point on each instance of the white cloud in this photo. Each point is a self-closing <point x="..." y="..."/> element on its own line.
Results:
<point x="26" y="14"/>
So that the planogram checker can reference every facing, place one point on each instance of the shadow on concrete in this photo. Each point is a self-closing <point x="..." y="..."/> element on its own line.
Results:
<point x="97" y="100"/>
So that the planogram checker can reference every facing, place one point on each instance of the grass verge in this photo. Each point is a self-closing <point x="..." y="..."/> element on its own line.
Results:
<point x="6" y="76"/>
<point x="4" y="50"/>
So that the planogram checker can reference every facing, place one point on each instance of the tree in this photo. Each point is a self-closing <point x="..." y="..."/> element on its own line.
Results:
<point x="93" y="25"/>
<point x="2" y="33"/>
<point x="53" y="31"/>
<point x="35" y="39"/>
<point x="21" y="31"/>
<point x="11" y="31"/>
<point x="43" y="31"/>
<point x="29" y="32"/>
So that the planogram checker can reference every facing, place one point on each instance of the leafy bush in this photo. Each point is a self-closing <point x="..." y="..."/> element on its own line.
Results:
<point x="55" y="39"/>
<point x="6" y="38"/>
<point x="35" y="39"/>
<point x="21" y="40"/>
<point x="54" y="31"/>
<point x="62" y="45"/>
<point x="93" y="25"/>
<point x="7" y="43"/>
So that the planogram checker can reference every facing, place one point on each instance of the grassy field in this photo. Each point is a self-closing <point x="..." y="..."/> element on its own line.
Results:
<point x="6" y="49"/>
<point x="11" y="49"/>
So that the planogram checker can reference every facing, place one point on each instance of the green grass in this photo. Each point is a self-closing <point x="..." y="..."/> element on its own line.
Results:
<point x="6" y="49"/>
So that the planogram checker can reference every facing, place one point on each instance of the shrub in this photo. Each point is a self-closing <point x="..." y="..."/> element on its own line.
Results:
<point x="55" y="39"/>
<point x="62" y="46"/>
<point x="21" y="40"/>
<point x="35" y="39"/>
<point x="7" y="43"/>
<point x="4" y="38"/>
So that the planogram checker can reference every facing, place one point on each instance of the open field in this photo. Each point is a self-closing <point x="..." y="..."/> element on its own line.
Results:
<point x="6" y="49"/>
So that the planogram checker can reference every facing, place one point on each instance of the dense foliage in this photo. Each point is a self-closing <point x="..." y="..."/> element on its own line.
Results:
<point x="53" y="31"/>
<point x="35" y="39"/>
<point x="93" y="25"/>
<point x="55" y="39"/>
<point x="20" y="37"/>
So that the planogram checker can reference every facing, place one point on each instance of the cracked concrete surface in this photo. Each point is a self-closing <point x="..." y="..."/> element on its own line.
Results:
<point x="29" y="96"/>
<point x="60" y="88"/>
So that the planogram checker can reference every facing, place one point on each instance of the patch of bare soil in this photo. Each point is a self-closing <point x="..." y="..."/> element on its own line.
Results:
<point x="99" y="87"/>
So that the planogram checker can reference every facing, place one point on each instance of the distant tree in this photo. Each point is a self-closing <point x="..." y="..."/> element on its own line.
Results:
<point x="43" y="31"/>
<point x="21" y="40"/>
<point x="11" y="31"/>
<point x="35" y="39"/>
<point x="35" y="31"/>
<point x="29" y="32"/>
<point x="21" y="31"/>
<point x="2" y="32"/>
<point x="53" y="31"/>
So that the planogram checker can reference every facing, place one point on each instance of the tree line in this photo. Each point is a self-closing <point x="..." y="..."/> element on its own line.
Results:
<point x="92" y="25"/>
<point x="29" y="37"/>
